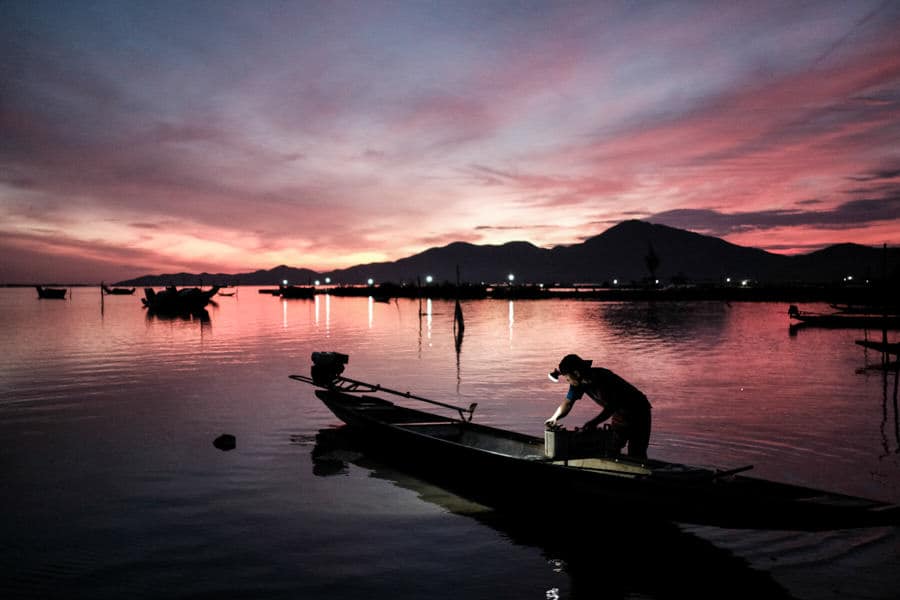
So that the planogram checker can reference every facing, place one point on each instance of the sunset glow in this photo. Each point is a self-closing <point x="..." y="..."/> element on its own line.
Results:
<point x="140" y="138"/>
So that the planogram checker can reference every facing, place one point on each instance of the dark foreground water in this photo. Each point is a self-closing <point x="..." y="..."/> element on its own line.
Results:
<point x="110" y="486"/>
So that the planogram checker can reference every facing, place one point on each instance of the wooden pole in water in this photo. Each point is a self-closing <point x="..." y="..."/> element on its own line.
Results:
<point x="457" y="313"/>
<point x="885" y="294"/>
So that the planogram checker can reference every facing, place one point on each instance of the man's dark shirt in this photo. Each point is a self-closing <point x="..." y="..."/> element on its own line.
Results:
<point x="614" y="394"/>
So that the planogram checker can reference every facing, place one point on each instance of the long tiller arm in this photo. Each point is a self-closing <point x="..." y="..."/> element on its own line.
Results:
<point x="345" y="384"/>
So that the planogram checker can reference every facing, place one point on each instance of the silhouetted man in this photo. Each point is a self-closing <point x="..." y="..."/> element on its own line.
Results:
<point x="626" y="406"/>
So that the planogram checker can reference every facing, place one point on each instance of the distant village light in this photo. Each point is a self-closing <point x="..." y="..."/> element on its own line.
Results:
<point x="370" y="281"/>
<point x="284" y="282"/>
<point x="511" y="277"/>
<point x="316" y="282"/>
<point x="728" y="280"/>
<point x="615" y="282"/>
<point x="328" y="280"/>
<point x="429" y="279"/>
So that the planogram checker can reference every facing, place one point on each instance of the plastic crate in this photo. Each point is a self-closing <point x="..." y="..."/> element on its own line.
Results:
<point x="561" y="444"/>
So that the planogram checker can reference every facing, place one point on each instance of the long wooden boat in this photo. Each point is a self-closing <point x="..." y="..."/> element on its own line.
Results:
<point x="839" y="320"/>
<point x="116" y="291"/>
<point x="516" y="466"/>
<point x="175" y="301"/>
<point x="49" y="293"/>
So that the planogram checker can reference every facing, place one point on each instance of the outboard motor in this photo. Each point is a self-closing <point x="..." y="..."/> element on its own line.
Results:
<point x="327" y="366"/>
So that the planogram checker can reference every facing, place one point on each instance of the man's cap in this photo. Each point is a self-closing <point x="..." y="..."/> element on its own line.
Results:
<point x="573" y="362"/>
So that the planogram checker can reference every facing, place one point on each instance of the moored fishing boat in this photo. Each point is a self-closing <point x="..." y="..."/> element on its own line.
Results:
<point x="516" y="467"/>
<point x="116" y="291"/>
<point x="175" y="301"/>
<point x="840" y="319"/>
<point x="49" y="293"/>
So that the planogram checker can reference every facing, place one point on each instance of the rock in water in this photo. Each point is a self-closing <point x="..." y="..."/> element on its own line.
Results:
<point x="225" y="442"/>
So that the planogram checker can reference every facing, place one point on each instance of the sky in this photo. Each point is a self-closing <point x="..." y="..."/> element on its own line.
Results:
<point x="228" y="136"/>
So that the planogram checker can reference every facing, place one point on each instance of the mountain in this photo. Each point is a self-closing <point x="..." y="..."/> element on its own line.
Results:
<point x="619" y="253"/>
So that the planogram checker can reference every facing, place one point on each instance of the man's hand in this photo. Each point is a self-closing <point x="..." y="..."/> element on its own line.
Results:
<point x="551" y="422"/>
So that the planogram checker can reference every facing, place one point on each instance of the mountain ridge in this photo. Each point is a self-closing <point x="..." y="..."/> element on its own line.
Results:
<point x="619" y="253"/>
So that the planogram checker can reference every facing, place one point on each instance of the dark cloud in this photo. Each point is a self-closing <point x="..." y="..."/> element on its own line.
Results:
<point x="847" y="215"/>
<point x="877" y="175"/>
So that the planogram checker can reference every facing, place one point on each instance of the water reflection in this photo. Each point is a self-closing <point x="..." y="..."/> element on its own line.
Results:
<point x="603" y="555"/>
<point x="317" y="308"/>
<point x="201" y="316"/>
<point x="459" y="328"/>
<point x="663" y="320"/>
<point x="886" y="363"/>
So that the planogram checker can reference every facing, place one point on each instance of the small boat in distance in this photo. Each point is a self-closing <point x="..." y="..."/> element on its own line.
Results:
<point x="116" y="291"/>
<point x="49" y="293"/>
<point x="840" y="319"/>
<point x="511" y="467"/>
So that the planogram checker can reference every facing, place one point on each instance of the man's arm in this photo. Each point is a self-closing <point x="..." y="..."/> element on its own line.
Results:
<point x="561" y="411"/>
<point x="604" y="415"/>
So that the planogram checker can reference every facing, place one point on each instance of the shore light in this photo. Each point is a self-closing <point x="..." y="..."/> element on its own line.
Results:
<point x="284" y="282"/>
<point x="511" y="277"/>
<point x="615" y="282"/>
<point x="370" y="281"/>
<point x="316" y="282"/>
<point x="328" y="280"/>
<point x="429" y="279"/>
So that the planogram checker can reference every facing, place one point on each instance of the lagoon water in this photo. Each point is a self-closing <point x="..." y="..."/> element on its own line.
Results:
<point x="111" y="486"/>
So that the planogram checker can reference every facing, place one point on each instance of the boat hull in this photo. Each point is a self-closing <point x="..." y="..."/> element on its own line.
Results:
<point x="836" y="320"/>
<point x="48" y="293"/>
<point x="117" y="291"/>
<point x="506" y="468"/>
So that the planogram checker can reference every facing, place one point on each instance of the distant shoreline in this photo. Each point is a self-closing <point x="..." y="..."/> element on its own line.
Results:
<point x="860" y="295"/>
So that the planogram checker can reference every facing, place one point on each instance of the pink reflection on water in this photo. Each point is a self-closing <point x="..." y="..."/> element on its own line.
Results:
<point x="729" y="385"/>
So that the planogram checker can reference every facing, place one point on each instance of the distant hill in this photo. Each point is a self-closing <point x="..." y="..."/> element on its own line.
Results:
<point x="619" y="253"/>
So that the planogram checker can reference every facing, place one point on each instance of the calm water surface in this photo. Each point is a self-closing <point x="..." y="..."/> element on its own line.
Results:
<point x="111" y="486"/>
